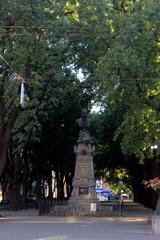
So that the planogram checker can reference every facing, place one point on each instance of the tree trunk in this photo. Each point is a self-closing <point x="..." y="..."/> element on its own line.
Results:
<point x="15" y="183"/>
<point x="15" y="198"/>
<point x="60" y="186"/>
<point x="50" y="185"/>
<point x="158" y="204"/>
<point x="38" y="190"/>
<point x="25" y="184"/>
<point x="5" y="138"/>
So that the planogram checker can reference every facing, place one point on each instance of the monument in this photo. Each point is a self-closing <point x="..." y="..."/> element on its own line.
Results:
<point x="84" y="198"/>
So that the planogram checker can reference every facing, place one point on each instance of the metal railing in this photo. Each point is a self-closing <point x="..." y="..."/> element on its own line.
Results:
<point x="4" y="204"/>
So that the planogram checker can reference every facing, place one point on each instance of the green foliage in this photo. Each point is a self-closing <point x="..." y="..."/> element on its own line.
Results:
<point x="116" y="46"/>
<point x="130" y="73"/>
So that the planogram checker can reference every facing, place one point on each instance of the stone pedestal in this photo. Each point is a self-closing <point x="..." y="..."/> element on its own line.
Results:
<point x="84" y="196"/>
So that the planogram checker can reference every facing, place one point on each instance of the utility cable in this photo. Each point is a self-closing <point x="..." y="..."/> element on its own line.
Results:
<point x="18" y="77"/>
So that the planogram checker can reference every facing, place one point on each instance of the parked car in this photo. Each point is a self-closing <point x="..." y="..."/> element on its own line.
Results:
<point x="124" y="196"/>
<point x="31" y="197"/>
<point x="104" y="195"/>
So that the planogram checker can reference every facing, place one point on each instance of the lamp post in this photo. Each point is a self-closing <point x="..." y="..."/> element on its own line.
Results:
<point x="121" y="183"/>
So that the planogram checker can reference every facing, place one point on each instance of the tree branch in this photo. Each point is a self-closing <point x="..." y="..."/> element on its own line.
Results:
<point x="146" y="99"/>
<point x="20" y="128"/>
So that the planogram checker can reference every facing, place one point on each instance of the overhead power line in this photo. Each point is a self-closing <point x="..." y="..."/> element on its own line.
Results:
<point x="18" y="77"/>
<point x="13" y="34"/>
<point x="19" y="26"/>
<point x="74" y="31"/>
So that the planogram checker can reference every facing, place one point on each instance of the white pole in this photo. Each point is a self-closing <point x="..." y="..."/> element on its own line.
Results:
<point x="22" y="94"/>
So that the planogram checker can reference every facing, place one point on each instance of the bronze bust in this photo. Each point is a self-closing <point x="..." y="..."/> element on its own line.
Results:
<point x="84" y="122"/>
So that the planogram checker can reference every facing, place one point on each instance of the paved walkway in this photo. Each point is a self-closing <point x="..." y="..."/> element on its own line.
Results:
<point x="27" y="225"/>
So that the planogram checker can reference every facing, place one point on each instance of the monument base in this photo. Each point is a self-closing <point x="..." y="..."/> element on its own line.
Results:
<point x="77" y="208"/>
<point x="84" y="205"/>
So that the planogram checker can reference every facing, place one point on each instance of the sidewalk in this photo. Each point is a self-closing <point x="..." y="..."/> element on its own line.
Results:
<point x="27" y="225"/>
<point x="135" y="209"/>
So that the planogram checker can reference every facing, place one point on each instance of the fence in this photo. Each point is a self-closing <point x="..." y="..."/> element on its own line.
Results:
<point x="45" y="205"/>
<point x="60" y="207"/>
<point x="4" y="204"/>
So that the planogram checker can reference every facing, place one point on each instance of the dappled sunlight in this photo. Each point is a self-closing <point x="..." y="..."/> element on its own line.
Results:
<point x="133" y="219"/>
<point x="53" y="238"/>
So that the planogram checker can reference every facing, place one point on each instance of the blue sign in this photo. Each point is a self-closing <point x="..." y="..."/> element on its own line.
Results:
<point x="99" y="186"/>
<point x="106" y="193"/>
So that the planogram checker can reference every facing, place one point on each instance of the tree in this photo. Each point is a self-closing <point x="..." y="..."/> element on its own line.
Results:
<point x="27" y="49"/>
<point x="126" y="73"/>
<point x="40" y="56"/>
<point x="129" y="70"/>
<point x="131" y="75"/>
<point x="115" y="44"/>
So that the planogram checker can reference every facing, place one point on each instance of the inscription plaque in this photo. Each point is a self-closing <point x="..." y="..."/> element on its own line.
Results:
<point x="83" y="190"/>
